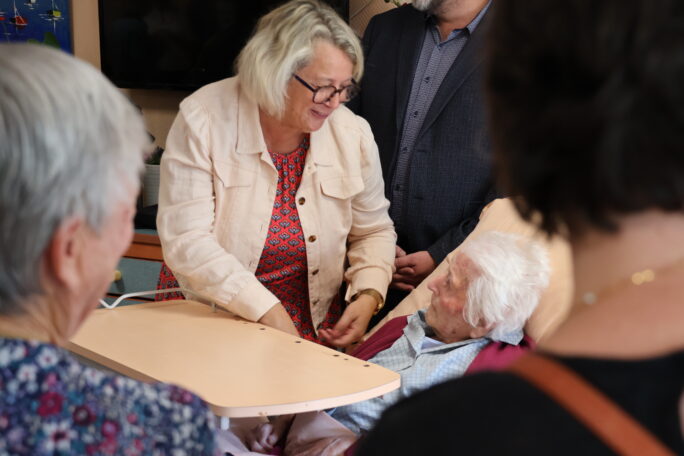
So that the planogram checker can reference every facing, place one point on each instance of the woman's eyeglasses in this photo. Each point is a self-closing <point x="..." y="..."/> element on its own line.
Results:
<point x="324" y="94"/>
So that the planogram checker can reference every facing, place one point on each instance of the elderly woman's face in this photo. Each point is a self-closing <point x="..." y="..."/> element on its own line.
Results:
<point x="449" y="297"/>
<point x="329" y="66"/>
<point x="99" y="256"/>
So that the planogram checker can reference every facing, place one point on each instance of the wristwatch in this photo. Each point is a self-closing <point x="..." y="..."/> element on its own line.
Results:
<point x="373" y="293"/>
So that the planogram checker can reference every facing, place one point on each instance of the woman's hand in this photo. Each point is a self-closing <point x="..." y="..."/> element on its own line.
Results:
<point x="264" y="437"/>
<point x="353" y="323"/>
<point x="278" y="318"/>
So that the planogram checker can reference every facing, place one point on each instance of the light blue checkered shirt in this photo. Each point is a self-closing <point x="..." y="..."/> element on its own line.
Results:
<point x="421" y="362"/>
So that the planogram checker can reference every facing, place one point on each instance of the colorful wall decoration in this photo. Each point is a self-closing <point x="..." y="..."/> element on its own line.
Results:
<point x="36" y="21"/>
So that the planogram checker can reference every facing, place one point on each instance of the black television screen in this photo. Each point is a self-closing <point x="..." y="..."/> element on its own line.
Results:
<point x="178" y="44"/>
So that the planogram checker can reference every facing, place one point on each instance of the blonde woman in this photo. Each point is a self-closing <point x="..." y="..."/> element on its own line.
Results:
<point x="272" y="193"/>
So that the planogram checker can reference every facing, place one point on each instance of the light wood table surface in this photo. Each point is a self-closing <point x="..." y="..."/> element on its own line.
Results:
<point x="240" y="368"/>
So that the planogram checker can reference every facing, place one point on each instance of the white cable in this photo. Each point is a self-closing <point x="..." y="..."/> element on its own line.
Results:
<point x="151" y="292"/>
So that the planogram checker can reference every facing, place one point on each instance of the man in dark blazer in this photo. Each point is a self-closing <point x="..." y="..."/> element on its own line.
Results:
<point x="422" y="96"/>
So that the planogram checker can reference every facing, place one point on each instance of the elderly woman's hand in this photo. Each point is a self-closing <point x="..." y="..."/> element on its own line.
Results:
<point x="264" y="437"/>
<point x="353" y="323"/>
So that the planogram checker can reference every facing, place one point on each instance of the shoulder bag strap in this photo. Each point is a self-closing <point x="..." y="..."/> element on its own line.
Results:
<point x="609" y="422"/>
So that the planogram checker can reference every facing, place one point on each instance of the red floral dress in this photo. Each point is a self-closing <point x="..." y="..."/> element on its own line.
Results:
<point x="165" y="281"/>
<point x="282" y="268"/>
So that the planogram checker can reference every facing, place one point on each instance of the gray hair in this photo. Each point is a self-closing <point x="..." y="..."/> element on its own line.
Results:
<point x="427" y="5"/>
<point x="514" y="272"/>
<point x="284" y="42"/>
<point x="71" y="146"/>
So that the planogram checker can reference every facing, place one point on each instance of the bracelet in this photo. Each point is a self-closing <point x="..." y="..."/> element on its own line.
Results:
<point x="374" y="294"/>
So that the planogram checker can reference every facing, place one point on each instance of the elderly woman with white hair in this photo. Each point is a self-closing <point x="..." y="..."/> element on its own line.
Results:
<point x="70" y="158"/>
<point x="474" y="322"/>
<point x="271" y="191"/>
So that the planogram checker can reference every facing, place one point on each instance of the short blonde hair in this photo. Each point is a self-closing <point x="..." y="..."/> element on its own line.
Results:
<point x="284" y="42"/>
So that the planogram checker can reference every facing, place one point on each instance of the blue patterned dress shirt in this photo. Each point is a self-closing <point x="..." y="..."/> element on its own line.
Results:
<point x="435" y="60"/>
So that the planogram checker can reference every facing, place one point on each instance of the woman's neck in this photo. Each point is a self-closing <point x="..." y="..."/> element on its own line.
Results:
<point x="626" y="321"/>
<point x="41" y="319"/>
<point x="279" y="138"/>
<point x="25" y="327"/>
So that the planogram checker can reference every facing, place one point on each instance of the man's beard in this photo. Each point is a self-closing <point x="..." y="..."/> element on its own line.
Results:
<point x="428" y="6"/>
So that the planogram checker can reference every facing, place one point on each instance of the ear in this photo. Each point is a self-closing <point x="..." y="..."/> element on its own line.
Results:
<point x="64" y="253"/>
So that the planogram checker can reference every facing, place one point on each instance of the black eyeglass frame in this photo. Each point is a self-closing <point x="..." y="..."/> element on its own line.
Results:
<point x="336" y="91"/>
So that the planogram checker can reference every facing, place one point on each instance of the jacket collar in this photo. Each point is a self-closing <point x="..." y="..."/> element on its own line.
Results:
<point x="322" y="142"/>
<point x="408" y="51"/>
<point x="250" y="138"/>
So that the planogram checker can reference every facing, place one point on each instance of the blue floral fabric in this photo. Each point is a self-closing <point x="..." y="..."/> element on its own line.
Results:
<point x="50" y="404"/>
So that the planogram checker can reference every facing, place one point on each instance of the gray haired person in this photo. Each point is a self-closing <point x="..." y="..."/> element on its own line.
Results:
<point x="70" y="158"/>
<point x="474" y="322"/>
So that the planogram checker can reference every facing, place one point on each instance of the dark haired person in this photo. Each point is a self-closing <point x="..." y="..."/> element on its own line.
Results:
<point x="588" y="113"/>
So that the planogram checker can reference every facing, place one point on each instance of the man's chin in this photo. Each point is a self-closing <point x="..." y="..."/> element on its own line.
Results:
<point x="427" y="6"/>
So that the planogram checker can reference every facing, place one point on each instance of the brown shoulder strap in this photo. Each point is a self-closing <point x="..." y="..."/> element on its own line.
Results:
<point x="622" y="433"/>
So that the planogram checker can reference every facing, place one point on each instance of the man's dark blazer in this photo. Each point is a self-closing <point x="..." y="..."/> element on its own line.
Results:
<point x="450" y="176"/>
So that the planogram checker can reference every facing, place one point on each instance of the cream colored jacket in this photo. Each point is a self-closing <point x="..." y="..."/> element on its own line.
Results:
<point x="217" y="192"/>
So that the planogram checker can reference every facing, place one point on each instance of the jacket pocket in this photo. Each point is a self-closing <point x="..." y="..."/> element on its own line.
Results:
<point x="341" y="187"/>
<point x="233" y="176"/>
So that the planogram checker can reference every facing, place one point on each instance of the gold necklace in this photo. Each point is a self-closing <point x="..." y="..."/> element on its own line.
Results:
<point x="636" y="279"/>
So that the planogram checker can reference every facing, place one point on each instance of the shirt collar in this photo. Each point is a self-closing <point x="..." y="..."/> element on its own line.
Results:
<point x="417" y="329"/>
<point x="430" y="19"/>
<point x="511" y="338"/>
<point x="476" y="21"/>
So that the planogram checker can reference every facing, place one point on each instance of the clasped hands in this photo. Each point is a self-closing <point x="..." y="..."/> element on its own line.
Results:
<point x="264" y="437"/>
<point x="350" y="328"/>
<point x="411" y="269"/>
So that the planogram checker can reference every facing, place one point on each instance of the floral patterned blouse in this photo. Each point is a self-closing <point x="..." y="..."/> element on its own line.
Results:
<point x="50" y="404"/>
<point x="282" y="268"/>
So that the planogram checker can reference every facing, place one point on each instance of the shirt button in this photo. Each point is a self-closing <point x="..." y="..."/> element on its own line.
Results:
<point x="415" y="114"/>
<point x="301" y="200"/>
<point x="312" y="238"/>
<point x="315" y="302"/>
<point x="314" y="272"/>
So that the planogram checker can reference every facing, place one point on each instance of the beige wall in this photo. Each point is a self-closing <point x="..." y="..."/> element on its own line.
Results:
<point x="361" y="11"/>
<point x="159" y="106"/>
